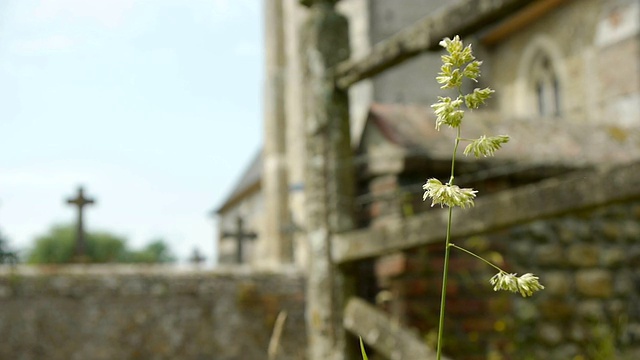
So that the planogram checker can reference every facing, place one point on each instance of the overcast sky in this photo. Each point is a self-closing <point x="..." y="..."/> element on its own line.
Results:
<point x="153" y="105"/>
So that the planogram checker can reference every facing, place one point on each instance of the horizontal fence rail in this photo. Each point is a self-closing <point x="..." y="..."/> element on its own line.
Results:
<point x="461" y="18"/>
<point x="387" y="337"/>
<point x="549" y="198"/>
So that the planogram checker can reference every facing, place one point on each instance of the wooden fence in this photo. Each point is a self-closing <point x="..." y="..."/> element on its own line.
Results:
<point x="335" y="246"/>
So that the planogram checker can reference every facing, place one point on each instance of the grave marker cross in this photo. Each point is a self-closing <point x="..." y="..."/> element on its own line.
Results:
<point x="80" y="201"/>
<point x="241" y="236"/>
<point x="196" y="258"/>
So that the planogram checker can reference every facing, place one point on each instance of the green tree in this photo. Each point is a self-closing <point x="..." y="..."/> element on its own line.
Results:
<point x="103" y="247"/>
<point x="156" y="252"/>
<point x="6" y="255"/>
<point x="58" y="246"/>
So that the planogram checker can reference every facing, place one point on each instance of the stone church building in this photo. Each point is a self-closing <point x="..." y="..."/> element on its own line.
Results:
<point x="567" y="80"/>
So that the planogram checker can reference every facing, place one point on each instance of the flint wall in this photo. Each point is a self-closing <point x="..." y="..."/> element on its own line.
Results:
<point x="115" y="312"/>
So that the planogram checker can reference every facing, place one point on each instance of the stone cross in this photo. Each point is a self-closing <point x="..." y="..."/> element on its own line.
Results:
<point x="80" y="201"/>
<point x="241" y="236"/>
<point x="196" y="258"/>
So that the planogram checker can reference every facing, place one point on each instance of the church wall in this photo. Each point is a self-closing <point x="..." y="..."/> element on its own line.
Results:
<point x="413" y="80"/>
<point x="593" y="46"/>
<point x="565" y="35"/>
<point x="117" y="312"/>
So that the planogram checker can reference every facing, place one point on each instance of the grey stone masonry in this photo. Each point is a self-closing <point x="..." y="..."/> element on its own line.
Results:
<point x="589" y="266"/>
<point x="116" y="312"/>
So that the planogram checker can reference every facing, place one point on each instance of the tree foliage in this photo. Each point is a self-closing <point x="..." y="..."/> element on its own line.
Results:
<point x="6" y="255"/>
<point x="58" y="247"/>
<point x="156" y="252"/>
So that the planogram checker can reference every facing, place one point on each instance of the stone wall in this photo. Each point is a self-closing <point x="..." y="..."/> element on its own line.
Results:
<point x="590" y="308"/>
<point x="589" y="263"/>
<point x="147" y="313"/>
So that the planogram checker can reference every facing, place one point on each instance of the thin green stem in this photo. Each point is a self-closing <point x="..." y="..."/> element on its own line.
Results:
<point x="443" y="297"/>
<point x="453" y="157"/>
<point x="477" y="257"/>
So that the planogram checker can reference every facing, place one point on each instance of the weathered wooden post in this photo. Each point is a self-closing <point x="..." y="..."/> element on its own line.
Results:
<point x="329" y="185"/>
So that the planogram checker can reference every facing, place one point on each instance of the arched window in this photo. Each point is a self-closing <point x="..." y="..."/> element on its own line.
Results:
<point x="544" y="86"/>
<point x="540" y="80"/>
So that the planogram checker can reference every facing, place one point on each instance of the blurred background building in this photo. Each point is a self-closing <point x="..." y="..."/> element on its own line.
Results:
<point x="566" y="75"/>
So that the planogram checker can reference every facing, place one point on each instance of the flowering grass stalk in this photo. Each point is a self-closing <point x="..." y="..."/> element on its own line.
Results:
<point x="362" y="351"/>
<point x="459" y="64"/>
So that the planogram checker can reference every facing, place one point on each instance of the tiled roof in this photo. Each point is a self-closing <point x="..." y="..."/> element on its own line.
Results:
<point x="250" y="178"/>
<point x="551" y="142"/>
<point x="535" y="141"/>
